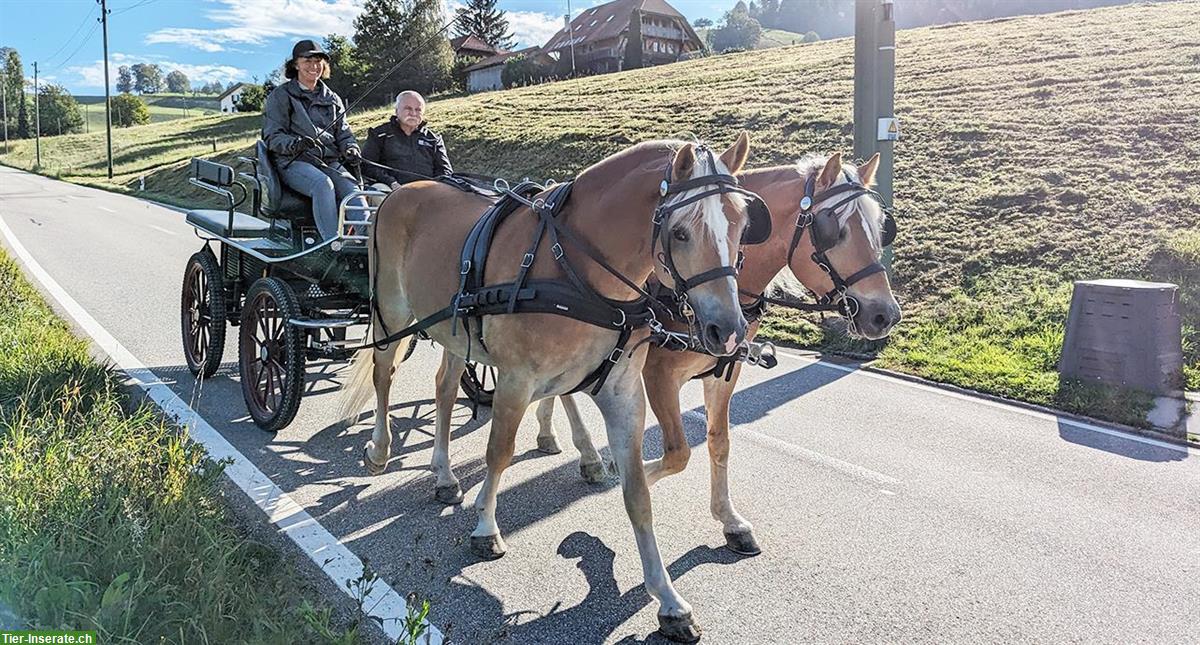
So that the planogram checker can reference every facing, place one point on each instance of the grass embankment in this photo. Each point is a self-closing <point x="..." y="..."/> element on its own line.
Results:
<point x="1035" y="151"/>
<point x="767" y="39"/>
<point x="162" y="107"/>
<point x="112" y="521"/>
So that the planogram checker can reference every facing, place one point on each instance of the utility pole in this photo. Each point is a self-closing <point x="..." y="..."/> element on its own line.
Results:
<point x="37" y="117"/>
<point x="4" y="106"/>
<point x="107" y="100"/>
<point x="87" y="119"/>
<point x="570" y="35"/>
<point x="875" y="124"/>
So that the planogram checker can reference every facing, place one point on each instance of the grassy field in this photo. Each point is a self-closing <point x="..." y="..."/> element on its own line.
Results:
<point x="1035" y="151"/>
<point x="112" y="521"/>
<point x="768" y="39"/>
<point x="163" y="107"/>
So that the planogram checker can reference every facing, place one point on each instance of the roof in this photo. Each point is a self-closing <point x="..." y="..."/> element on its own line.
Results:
<point x="500" y="58"/>
<point x="610" y="19"/>
<point x="472" y="43"/>
<point x="236" y="87"/>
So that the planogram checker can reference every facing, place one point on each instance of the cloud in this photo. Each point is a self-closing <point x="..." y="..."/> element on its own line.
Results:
<point x="253" y="22"/>
<point x="92" y="75"/>
<point x="533" y="27"/>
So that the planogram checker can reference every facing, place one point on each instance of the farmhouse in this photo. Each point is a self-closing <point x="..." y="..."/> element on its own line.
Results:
<point x="600" y="36"/>
<point x="229" y="99"/>
<point x="487" y="74"/>
<point x="472" y="47"/>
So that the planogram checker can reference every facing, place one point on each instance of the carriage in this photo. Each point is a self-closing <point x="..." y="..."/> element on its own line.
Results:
<point x="292" y="296"/>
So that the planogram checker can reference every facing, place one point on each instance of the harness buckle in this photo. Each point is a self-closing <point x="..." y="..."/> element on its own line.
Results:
<point x="623" y="318"/>
<point x="759" y="353"/>
<point x="805" y="218"/>
<point x="527" y="261"/>
<point x="616" y="354"/>
<point x="659" y="214"/>
<point x="557" y="250"/>
<point x="466" y="267"/>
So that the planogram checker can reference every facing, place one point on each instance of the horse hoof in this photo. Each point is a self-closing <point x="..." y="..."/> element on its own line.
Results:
<point x="594" y="473"/>
<point x="488" y="547"/>
<point x="372" y="467"/>
<point x="548" y="445"/>
<point x="680" y="629"/>
<point x="450" y="495"/>
<point x="742" y="543"/>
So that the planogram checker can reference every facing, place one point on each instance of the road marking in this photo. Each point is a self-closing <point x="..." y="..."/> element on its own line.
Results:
<point x="1037" y="414"/>
<point x="105" y="208"/>
<point x="161" y="229"/>
<point x="819" y="458"/>
<point x="337" y="561"/>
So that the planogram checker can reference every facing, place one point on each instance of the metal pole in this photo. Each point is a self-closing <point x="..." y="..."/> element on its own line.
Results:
<point x="571" y="35"/>
<point x="885" y="94"/>
<point x="865" y="62"/>
<point x="37" y="117"/>
<point x="107" y="100"/>
<point x="4" y="104"/>
<point x="875" y="126"/>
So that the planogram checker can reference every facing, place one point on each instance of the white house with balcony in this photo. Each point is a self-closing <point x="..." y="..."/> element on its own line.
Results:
<point x="229" y="99"/>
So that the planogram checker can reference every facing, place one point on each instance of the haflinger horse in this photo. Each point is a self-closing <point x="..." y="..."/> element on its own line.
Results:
<point x="829" y="231"/>
<point x="666" y="208"/>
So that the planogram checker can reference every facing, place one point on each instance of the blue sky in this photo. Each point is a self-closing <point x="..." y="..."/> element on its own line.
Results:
<point x="225" y="40"/>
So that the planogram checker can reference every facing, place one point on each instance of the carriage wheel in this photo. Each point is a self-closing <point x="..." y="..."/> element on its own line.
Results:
<point x="202" y="314"/>
<point x="479" y="383"/>
<point x="271" y="354"/>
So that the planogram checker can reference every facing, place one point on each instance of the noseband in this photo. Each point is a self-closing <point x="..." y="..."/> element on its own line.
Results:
<point x="714" y="184"/>
<point x="823" y="229"/>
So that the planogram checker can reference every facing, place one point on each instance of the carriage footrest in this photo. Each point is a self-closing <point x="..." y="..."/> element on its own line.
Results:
<point x="323" y="323"/>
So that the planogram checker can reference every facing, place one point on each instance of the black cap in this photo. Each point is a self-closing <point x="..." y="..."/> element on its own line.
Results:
<point x="306" y="48"/>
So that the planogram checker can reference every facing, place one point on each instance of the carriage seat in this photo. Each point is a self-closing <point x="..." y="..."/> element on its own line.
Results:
<point x="217" y="222"/>
<point x="277" y="199"/>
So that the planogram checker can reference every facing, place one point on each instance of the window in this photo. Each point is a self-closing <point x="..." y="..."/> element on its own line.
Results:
<point x="609" y="19"/>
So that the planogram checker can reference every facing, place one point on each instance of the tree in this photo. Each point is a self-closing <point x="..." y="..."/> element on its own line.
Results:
<point x="458" y="72"/>
<point x="128" y="110"/>
<point x="481" y="18"/>
<point x="252" y="98"/>
<point x="737" y="31"/>
<point x="148" y="78"/>
<point x="702" y="23"/>
<point x="14" y="93"/>
<point x="417" y="23"/>
<point x="178" y="82"/>
<point x="124" y="79"/>
<point x="521" y="70"/>
<point x="212" y="87"/>
<point x="347" y="73"/>
<point x="633" y="45"/>
<point x="58" y="111"/>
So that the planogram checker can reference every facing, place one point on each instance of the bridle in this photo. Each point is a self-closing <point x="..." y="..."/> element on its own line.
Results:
<point x="824" y="229"/>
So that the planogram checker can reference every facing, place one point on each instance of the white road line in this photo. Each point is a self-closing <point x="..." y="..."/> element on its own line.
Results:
<point x="162" y="230"/>
<point x="1081" y="425"/>
<point x="819" y="458"/>
<point x="337" y="561"/>
<point x="105" y="208"/>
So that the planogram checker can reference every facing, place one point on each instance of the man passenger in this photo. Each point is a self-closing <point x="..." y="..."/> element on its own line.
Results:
<point x="406" y="145"/>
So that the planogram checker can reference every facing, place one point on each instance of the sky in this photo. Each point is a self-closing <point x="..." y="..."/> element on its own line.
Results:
<point x="221" y="40"/>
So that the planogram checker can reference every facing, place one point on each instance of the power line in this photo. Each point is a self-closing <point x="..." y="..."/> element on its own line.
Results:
<point x="81" y="44"/>
<point x="70" y="38"/>
<point x="130" y="7"/>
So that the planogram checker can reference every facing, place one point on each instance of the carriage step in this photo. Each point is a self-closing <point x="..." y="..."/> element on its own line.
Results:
<point x="323" y="323"/>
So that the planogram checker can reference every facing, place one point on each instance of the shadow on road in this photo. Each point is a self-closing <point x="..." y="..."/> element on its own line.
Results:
<point x="1122" y="446"/>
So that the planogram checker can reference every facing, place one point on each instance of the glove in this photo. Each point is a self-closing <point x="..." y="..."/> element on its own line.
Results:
<point x="352" y="157"/>
<point x="301" y="144"/>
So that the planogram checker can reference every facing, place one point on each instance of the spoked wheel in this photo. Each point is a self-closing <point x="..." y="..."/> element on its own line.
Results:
<point x="479" y="383"/>
<point x="271" y="354"/>
<point x="202" y="314"/>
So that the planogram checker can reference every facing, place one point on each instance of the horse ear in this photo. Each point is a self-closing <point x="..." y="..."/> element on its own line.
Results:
<point x="684" y="163"/>
<point x="735" y="157"/>
<point x="866" y="172"/>
<point x="829" y="174"/>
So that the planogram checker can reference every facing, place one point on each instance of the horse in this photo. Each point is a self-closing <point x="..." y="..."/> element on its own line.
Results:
<point x="665" y="208"/>
<point x="825" y="223"/>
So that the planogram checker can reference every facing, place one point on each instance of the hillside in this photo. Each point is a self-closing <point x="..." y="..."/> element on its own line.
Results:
<point x="769" y="38"/>
<point x="163" y="107"/>
<point x="1035" y="151"/>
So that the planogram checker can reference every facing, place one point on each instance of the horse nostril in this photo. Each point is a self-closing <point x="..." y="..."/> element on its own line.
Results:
<point x="881" y="321"/>
<point x="712" y="335"/>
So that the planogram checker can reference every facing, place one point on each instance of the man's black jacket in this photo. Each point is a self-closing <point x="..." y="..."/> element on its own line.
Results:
<point x="421" y="152"/>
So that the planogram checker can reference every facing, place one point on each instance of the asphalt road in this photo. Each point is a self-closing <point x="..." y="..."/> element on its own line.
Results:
<point x="887" y="512"/>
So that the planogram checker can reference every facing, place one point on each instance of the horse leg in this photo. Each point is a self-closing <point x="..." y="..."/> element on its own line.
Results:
<point x="546" y="441"/>
<point x="591" y="464"/>
<point x="447" y="490"/>
<point x="508" y="406"/>
<point x="375" y="455"/>
<point x="621" y="402"/>
<point x="739" y="534"/>
<point x="663" y="392"/>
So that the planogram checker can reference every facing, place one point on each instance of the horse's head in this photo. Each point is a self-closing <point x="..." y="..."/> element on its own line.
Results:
<point x="840" y="253"/>
<point x="698" y="226"/>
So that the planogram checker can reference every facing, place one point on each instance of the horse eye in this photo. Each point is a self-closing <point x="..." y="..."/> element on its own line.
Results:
<point x="680" y="234"/>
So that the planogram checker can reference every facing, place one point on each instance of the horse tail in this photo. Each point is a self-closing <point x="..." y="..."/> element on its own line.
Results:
<point x="360" y="386"/>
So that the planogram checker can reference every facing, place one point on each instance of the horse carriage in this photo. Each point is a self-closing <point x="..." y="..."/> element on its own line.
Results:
<point x="292" y="296"/>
